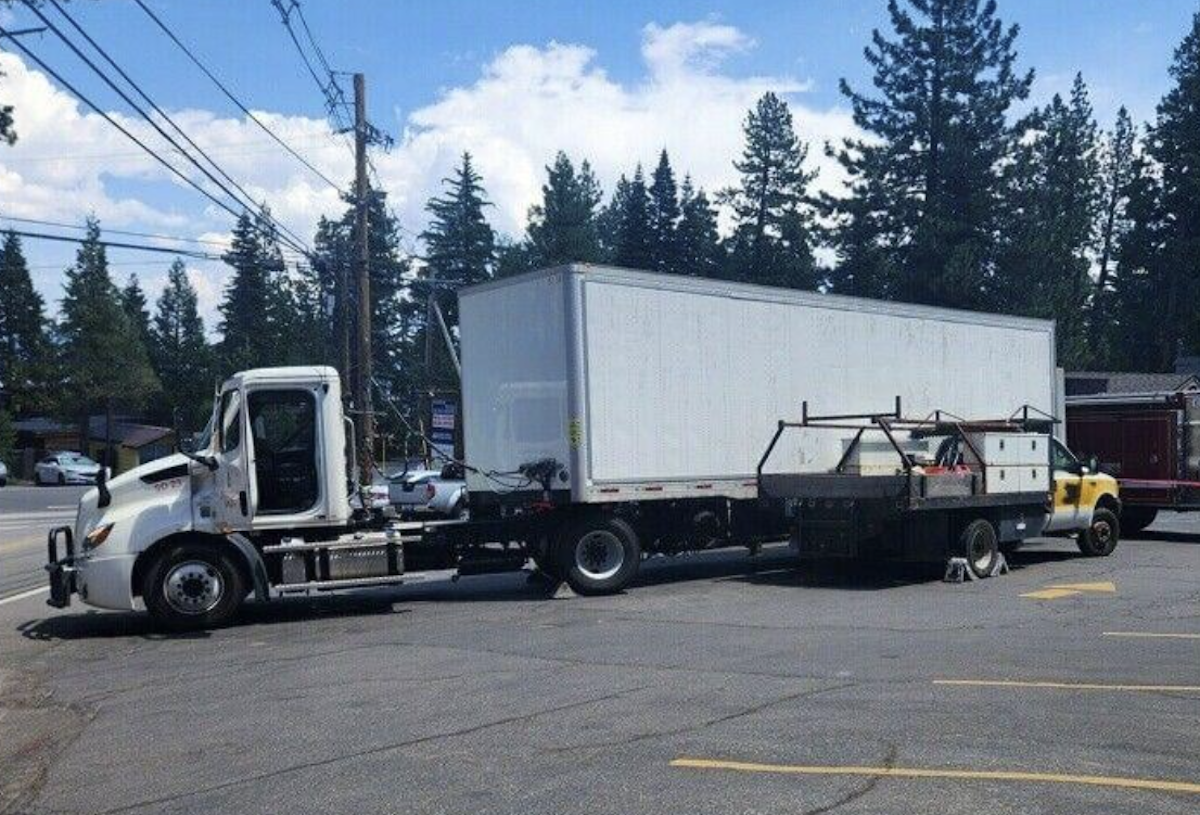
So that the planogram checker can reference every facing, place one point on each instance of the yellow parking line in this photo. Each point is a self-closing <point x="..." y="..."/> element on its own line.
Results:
<point x="1121" y="782"/>
<point x="1050" y="594"/>
<point x="1152" y="635"/>
<point x="1014" y="683"/>
<point x="1104" y="587"/>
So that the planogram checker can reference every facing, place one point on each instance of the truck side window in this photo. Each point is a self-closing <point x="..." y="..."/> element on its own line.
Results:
<point x="283" y="428"/>
<point x="231" y="426"/>
<point x="1062" y="458"/>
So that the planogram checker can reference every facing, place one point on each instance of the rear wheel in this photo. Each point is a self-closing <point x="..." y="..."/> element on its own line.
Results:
<point x="193" y="585"/>
<point x="1101" y="537"/>
<point x="1135" y="519"/>
<point x="599" y="554"/>
<point x="980" y="546"/>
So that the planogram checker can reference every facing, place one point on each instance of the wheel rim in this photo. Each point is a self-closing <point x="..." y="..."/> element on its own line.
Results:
<point x="193" y="587"/>
<point x="599" y="555"/>
<point x="981" y="553"/>
<point x="1102" y="533"/>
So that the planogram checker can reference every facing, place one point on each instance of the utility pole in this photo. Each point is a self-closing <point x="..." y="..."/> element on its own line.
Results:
<point x="362" y="378"/>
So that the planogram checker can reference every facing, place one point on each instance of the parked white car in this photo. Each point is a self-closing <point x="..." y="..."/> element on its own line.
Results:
<point x="3" y="474"/>
<point x="66" y="468"/>
<point x="432" y="492"/>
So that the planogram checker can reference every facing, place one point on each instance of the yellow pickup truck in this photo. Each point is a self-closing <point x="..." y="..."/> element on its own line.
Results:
<point x="1086" y="503"/>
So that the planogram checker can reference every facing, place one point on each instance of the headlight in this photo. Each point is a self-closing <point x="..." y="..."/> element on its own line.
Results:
<point x="97" y="536"/>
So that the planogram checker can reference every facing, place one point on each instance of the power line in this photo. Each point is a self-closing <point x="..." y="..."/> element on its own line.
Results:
<point x="241" y="148"/>
<point x="229" y="94"/>
<point x="40" y="222"/>
<point x="140" y="247"/>
<point x="296" y="242"/>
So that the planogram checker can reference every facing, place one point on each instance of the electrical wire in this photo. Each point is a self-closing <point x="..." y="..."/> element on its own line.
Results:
<point x="232" y="98"/>
<point x="289" y="237"/>
<point x="189" y="253"/>
<point x="495" y="476"/>
<point x="39" y="222"/>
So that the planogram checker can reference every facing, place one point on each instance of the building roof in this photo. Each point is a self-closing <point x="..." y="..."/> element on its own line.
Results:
<point x="1087" y="383"/>
<point x="125" y="432"/>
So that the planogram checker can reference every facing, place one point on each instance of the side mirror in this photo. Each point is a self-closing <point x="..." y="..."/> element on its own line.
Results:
<point x="1093" y="465"/>
<point x="186" y="442"/>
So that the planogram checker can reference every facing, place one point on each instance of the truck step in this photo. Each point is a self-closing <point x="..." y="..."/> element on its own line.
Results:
<point x="333" y="585"/>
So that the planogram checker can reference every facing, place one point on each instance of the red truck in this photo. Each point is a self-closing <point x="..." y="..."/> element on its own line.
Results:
<point x="1149" y="442"/>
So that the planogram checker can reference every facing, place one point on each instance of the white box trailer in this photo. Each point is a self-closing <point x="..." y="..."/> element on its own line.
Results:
<point x="646" y="386"/>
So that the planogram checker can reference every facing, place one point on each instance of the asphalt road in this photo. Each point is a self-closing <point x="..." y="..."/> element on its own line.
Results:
<point x="26" y="515"/>
<point x="718" y="684"/>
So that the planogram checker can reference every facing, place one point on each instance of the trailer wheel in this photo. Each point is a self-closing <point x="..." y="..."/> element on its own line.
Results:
<point x="1135" y="519"/>
<point x="980" y="546"/>
<point x="599" y="554"/>
<point x="1100" y="539"/>
<point x="192" y="586"/>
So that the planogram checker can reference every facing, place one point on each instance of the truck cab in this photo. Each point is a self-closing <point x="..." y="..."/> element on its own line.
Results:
<point x="189" y="536"/>
<point x="1086" y="503"/>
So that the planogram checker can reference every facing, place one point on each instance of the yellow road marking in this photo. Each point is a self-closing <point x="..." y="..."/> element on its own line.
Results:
<point x="1152" y="635"/>
<point x="1051" y="594"/>
<point x="1014" y="683"/>
<point x="1156" y="785"/>
<point x="1105" y="587"/>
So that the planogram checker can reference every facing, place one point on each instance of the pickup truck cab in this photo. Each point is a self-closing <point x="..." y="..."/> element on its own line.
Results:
<point x="1087" y="503"/>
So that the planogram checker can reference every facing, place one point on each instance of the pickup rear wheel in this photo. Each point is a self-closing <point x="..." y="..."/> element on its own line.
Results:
<point x="1100" y="539"/>
<point x="192" y="586"/>
<point x="980" y="547"/>
<point x="599" y="554"/>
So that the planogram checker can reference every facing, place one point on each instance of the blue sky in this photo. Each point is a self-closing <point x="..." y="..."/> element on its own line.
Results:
<point x="614" y="81"/>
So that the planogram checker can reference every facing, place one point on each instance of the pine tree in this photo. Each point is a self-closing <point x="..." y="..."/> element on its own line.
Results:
<point x="562" y="229"/>
<point x="925" y="186"/>
<point x="261" y="323"/>
<point x="1174" y="144"/>
<point x="1137" y="336"/>
<point x="635" y="241"/>
<point x="700" y="251"/>
<point x="133" y="302"/>
<point x="664" y="218"/>
<point x="1117" y="172"/>
<point x="180" y="353"/>
<point x="103" y="360"/>
<point x="460" y="244"/>
<point x="1050" y="209"/>
<point x="24" y="346"/>
<point x="771" y="243"/>
<point x="608" y="221"/>
<point x="7" y="134"/>
<point x="8" y="439"/>
<point x="460" y="251"/>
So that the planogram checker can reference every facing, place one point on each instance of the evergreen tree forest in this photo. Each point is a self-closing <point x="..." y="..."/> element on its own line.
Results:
<point x="964" y="192"/>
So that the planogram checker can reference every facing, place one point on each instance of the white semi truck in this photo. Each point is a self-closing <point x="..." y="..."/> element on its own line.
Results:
<point x="608" y="415"/>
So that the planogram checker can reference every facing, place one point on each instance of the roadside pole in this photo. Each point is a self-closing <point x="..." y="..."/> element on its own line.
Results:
<point x="362" y="377"/>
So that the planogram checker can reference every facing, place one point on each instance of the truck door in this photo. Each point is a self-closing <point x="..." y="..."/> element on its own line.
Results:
<point x="1068" y="489"/>
<point x="285" y="477"/>
<point x="234" y="505"/>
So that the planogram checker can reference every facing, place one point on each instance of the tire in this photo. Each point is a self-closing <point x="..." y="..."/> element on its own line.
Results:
<point x="980" y="546"/>
<point x="1135" y="519"/>
<point x="193" y="586"/>
<point x="1101" y="538"/>
<point x="599" y="554"/>
<point x="62" y="480"/>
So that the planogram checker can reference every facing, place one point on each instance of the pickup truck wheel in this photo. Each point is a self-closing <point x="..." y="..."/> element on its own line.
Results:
<point x="1135" y="519"/>
<point x="599" y="554"/>
<point x="193" y="586"/>
<point x="1100" y="539"/>
<point x="980" y="546"/>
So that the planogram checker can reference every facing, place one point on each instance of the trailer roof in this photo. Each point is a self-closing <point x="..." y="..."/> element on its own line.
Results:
<point x="754" y="291"/>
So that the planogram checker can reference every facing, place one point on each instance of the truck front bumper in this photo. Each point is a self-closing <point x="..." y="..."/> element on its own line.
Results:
<point x="61" y="570"/>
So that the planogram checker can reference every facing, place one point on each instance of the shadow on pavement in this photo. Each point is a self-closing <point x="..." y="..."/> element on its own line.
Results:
<point x="1170" y="537"/>
<point x="116" y="624"/>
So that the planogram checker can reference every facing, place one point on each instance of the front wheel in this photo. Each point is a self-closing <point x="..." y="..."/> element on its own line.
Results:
<point x="1101" y="537"/>
<point x="192" y="586"/>
<point x="599" y="554"/>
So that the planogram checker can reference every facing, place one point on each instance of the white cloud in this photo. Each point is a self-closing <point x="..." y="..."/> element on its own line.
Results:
<point x="527" y="103"/>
